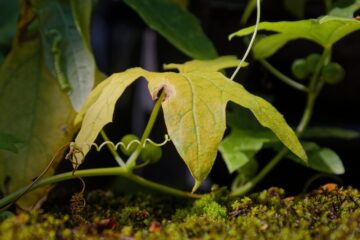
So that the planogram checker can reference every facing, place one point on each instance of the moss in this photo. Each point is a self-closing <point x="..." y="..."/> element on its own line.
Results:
<point x="270" y="214"/>
<point x="205" y="206"/>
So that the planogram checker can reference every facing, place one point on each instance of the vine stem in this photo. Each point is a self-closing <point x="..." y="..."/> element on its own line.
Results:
<point x="94" y="173"/>
<point x="131" y="162"/>
<point x="283" y="77"/>
<point x="314" y="89"/>
<point x="113" y="150"/>
<point x="258" y="13"/>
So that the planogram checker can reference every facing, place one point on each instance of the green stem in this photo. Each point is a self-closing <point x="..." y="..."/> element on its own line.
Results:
<point x="313" y="92"/>
<point x="113" y="150"/>
<point x="131" y="162"/>
<point x="252" y="183"/>
<point x="283" y="77"/>
<point x="258" y="12"/>
<point x="93" y="173"/>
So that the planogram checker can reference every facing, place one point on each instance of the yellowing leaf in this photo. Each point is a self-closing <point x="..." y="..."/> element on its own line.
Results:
<point x="35" y="110"/>
<point x="195" y="115"/>
<point x="93" y="96"/>
<point x="194" y="112"/>
<point x="102" y="101"/>
<point x="206" y="65"/>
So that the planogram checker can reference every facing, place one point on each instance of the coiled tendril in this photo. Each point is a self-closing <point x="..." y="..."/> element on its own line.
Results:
<point x="75" y="149"/>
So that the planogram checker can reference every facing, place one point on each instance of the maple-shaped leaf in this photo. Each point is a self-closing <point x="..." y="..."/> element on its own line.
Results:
<point x="194" y="112"/>
<point x="99" y="106"/>
<point x="325" y="31"/>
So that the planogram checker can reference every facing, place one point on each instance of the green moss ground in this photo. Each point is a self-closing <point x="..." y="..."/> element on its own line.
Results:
<point x="320" y="214"/>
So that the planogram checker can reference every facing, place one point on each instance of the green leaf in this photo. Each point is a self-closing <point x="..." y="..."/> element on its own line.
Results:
<point x="320" y="159"/>
<point x="194" y="112"/>
<point x="247" y="137"/>
<point x="345" y="8"/>
<point x="239" y="148"/>
<point x="9" y="14"/>
<point x="76" y="62"/>
<point x="328" y="132"/>
<point x="177" y="25"/>
<point x="326" y="160"/>
<point x="81" y="11"/>
<point x="9" y="142"/>
<point x="35" y="111"/>
<point x="325" y="31"/>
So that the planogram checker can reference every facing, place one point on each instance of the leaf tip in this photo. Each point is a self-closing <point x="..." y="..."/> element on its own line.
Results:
<point x="302" y="155"/>
<point x="231" y="36"/>
<point x="196" y="186"/>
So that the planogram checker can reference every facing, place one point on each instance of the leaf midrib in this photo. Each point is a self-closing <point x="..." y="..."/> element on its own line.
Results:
<point x="194" y="116"/>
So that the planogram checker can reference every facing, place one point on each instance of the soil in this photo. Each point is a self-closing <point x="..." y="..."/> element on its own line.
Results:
<point x="329" y="212"/>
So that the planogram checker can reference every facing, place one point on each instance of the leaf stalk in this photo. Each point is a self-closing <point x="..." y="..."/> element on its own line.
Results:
<point x="292" y="83"/>
<point x="131" y="162"/>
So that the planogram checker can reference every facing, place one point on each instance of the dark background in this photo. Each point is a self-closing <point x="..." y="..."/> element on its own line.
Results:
<point x="121" y="40"/>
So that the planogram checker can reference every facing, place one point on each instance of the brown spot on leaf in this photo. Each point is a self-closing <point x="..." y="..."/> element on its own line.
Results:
<point x="169" y="92"/>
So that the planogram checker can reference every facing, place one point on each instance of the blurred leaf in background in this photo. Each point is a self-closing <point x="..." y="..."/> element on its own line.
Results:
<point x="34" y="108"/>
<point x="9" y="142"/>
<point x="345" y="8"/>
<point x="321" y="159"/>
<point x="9" y="14"/>
<point x="70" y="57"/>
<point x="177" y="25"/>
<point x="245" y="140"/>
